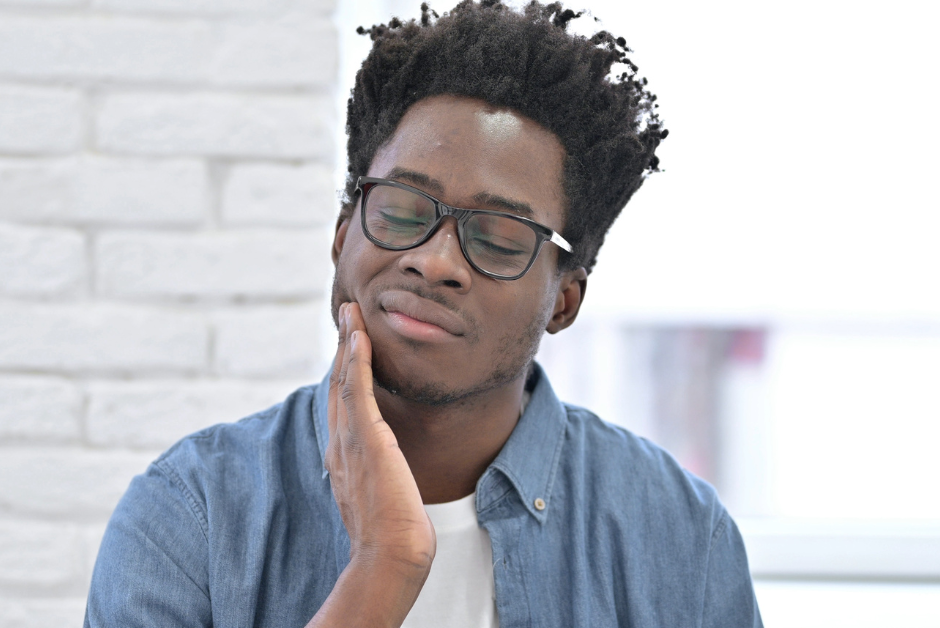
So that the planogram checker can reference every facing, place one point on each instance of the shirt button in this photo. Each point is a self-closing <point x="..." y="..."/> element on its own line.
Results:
<point x="539" y="503"/>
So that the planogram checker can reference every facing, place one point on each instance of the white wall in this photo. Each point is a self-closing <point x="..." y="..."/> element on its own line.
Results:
<point x="166" y="201"/>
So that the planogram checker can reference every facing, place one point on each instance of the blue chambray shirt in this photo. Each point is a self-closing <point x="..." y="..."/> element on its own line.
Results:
<point x="590" y="525"/>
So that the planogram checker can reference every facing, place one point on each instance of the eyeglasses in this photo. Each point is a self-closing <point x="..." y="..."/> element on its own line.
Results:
<point x="399" y="217"/>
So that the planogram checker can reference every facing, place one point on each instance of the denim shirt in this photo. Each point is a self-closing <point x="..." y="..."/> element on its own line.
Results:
<point x="590" y="525"/>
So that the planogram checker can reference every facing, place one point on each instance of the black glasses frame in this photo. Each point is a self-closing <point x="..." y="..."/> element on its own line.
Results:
<point x="543" y="234"/>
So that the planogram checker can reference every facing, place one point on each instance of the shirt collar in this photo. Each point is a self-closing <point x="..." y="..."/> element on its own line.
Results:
<point x="528" y="460"/>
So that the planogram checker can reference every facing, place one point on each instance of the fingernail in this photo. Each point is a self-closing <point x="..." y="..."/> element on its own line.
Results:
<point x="355" y="338"/>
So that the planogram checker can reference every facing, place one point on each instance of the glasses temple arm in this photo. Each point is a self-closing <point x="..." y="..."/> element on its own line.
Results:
<point x="560" y="241"/>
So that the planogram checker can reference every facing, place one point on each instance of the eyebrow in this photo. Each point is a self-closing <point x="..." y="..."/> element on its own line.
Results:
<point x="493" y="200"/>
<point x="483" y="199"/>
<point x="417" y="178"/>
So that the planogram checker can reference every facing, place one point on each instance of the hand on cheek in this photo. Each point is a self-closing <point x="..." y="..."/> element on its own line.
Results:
<point x="371" y="481"/>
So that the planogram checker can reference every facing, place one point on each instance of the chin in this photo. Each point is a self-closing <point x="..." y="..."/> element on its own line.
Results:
<point x="417" y="386"/>
<point x="425" y="394"/>
<point x="401" y="377"/>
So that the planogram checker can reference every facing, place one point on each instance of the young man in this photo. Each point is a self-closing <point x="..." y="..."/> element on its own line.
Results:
<point x="435" y="479"/>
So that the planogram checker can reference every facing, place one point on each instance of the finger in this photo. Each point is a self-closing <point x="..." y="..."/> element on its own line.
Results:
<point x="359" y="381"/>
<point x="334" y="394"/>
<point x="362" y="411"/>
<point x="342" y="423"/>
<point x="354" y="321"/>
<point x="356" y="325"/>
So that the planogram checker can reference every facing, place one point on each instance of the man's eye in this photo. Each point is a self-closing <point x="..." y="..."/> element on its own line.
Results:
<point x="394" y="223"/>
<point x="498" y="246"/>
<point x="396" y="216"/>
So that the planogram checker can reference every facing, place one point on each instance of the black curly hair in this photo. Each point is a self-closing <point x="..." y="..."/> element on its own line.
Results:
<point x="528" y="62"/>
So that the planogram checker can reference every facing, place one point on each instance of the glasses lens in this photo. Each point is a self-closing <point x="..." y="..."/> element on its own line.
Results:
<point x="397" y="217"/>
<point x="499" y="244"/>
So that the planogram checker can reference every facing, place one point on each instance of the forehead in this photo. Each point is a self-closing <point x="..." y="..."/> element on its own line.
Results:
<point x="470" y="149"/>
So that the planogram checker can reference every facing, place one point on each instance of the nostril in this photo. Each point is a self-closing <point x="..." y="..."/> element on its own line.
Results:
<point x="450" y="283"/>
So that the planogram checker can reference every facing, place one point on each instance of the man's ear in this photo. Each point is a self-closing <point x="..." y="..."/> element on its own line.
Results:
<point x="339" y="237"/>
<point x="568" y="301"/>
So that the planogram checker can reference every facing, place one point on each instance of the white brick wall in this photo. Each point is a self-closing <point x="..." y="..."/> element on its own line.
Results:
<point x="155" y="414"/>
<point x="166" y="206"/>
<point x="213" y="124"/>
<point x="40" y="120"/>
<point x="283" y="195"/>
<point x="43" y="409"/>
<point x="40" y="262"/>
<point x="262" y="264"/>
<point x="273" y="53"/>
<point x="40" y="613"/>
<point x="265" y="341"/>
<point x="88" y="190"/>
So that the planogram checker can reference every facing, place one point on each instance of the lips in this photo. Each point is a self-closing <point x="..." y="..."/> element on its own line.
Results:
<point x="422" y="310"/>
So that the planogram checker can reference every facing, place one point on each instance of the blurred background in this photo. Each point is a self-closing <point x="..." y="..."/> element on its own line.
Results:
<point x="767" y="307"/>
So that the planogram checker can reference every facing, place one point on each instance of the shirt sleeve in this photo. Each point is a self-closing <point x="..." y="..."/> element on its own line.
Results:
<point x="729" y="593"/>
<point x="152" y="567"/>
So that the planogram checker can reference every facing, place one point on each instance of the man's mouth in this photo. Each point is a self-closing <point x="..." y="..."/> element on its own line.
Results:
<point x="420" y="318"/>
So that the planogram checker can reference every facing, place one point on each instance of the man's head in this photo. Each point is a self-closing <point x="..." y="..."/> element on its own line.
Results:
<point x="529" y="63"/>
<point x="431" y="112"/>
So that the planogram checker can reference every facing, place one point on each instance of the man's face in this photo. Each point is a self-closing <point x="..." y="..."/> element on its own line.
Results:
<point x="440" y="330"/>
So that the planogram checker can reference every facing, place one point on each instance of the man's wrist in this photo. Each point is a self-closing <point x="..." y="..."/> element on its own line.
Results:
<point x="372" y="591"/>
<point x="406" y="561"/>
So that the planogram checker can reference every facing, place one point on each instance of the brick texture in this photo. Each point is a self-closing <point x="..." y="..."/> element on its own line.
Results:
<point x="155" y="414"/>
<point x="32" y="4"/>
<point x="36" y="552"/>
<point x="40" y="613"/>
<point x="139" y="192"/>
<point x="74" y="338"/>
<point x="166" y="206"/>
<point x="35" y="189"/>
<point x="41" y="261"/>
<point x="104" y="191"/>
<point x="199" y="7"/>
<point x="277" y="195"/>
<point x="39" y="408"/>
<point x="264" y="264"/>
<point x="189" y="52"/>
<point x="215" y="124"/>
<point x="269" y="341"/>
<point x="40" y="120"/>
<point x="72" y="482"/>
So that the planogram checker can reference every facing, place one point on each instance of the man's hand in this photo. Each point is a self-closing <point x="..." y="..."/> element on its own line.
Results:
<point x="392" y="541"/>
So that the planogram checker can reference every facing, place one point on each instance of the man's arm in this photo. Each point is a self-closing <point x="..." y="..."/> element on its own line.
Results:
<point x="729" y="593"/>
<point x="392" y="541"/>
<point x="152" y="566"/>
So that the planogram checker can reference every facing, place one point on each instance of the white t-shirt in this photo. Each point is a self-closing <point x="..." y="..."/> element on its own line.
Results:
<point x="459" y="591"/>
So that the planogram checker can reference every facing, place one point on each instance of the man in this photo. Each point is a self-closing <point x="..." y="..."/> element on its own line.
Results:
<point x="435" y="479"/>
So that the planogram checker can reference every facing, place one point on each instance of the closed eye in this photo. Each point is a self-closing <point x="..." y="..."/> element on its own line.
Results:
<point x="491" y="247"/>
<point x="394" y="219"/>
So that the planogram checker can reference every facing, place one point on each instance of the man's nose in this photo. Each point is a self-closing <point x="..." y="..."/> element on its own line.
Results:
<point x="439" y="260"/>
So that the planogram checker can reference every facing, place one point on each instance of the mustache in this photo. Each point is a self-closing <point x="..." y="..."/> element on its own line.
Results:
<point x="440" y="299"/>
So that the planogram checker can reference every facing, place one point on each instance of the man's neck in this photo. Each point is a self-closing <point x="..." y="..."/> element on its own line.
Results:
<point x="449" y="447"/>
